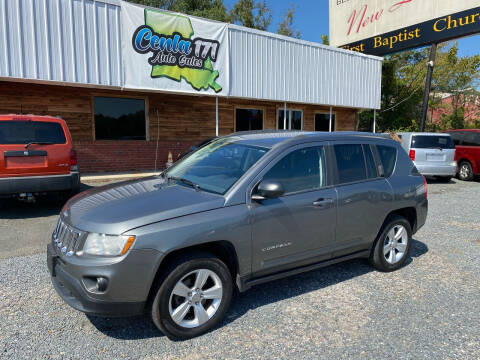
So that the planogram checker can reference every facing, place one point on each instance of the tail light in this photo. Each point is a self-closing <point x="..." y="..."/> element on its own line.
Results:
<point x="412" y="154"/>
<point x="73" y="160"/>
<point x="425" y="186"/>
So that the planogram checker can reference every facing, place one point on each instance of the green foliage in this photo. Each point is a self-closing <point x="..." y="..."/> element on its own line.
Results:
<point x="325" y="40"/>
<point x="455" y="120"/>
<point x="286" y="26"/>
<point x="209" y="9"/>
<point x="403" y="82"/>
<point x="251" y="14"/>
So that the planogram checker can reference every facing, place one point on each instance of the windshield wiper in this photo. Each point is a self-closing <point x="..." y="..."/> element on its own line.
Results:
<point x="185" y="181"/>
<point x="38" y="143"/>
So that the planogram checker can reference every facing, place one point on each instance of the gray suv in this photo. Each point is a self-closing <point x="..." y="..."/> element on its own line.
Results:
<point x="241" y="210"/>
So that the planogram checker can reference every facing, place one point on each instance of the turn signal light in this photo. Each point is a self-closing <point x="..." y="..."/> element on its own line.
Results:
<point x="128" y="244"/>
<point x="412" y="155"/>
<point x="73" y="158"/>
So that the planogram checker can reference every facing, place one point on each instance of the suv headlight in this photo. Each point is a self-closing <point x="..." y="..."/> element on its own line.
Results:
<point x="107" y="245"/>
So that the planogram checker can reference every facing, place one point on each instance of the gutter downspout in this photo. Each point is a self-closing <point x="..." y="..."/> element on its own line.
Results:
<point x="330" y="121"/>
<point x="216" y="116"/>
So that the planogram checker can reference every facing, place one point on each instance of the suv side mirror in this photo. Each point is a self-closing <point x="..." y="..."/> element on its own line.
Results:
<point x="268" y="190"/>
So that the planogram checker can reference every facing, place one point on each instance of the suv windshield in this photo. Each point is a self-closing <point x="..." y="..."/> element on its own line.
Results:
<point x="26" y="132"/>
<point x="432" y="142"/>
<point x="216" y="166"/>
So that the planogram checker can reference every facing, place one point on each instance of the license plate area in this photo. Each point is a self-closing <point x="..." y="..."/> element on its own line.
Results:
<point x="25" y="159"/>
<point x="435" y="157"/>
<point x="25" y="162"/>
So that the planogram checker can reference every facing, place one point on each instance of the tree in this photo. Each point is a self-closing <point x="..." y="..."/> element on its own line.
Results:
<point x="209" y="9"/>
<point x="403" y="81"/>
<point x="251" y="14"/>
<point x="325" y="40"/>
<point x="286" y="26"/>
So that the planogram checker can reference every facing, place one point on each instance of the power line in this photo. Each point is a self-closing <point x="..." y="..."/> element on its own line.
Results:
<point x="402" y="101"/>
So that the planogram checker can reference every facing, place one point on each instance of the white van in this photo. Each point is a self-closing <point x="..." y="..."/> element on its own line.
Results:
<point x="432" y="153"/>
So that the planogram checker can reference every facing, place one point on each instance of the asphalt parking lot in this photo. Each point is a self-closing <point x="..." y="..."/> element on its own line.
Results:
<point x="427" y="310"/>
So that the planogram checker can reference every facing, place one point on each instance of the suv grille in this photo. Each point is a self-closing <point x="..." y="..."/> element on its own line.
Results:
<point x="66" y="238"/>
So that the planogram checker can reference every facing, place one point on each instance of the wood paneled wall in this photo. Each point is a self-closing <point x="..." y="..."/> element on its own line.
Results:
<point x="180" y="117"/>
<point x="179" y="121"/>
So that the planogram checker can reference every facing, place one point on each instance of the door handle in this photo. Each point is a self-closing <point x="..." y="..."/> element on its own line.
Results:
<point x="322" y="202"/>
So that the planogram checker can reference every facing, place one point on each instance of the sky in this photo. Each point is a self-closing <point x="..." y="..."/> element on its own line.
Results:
<point x="311" y="19"/>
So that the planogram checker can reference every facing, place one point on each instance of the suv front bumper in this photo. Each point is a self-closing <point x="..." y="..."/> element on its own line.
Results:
<point x="35" y="184"/>
<point x="129" y="282"/>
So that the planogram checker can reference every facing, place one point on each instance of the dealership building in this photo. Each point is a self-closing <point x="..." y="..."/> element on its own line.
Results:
<point x="136" y="83"/>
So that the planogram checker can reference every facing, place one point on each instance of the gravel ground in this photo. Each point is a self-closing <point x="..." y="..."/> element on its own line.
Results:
<point x="426" y="310"/>
<point x="29" y="226"/>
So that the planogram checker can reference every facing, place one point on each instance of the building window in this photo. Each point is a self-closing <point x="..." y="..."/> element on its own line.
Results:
<point x="248" y="119"/>
<point x="322" y="122"/>
<point x="293" y="121"/>
<point x="119" y="118"/>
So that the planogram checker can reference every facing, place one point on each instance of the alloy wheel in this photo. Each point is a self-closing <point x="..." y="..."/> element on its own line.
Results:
<point x="464" y="171"/>
<point x="195" y="298"/>
<point x="395" y="244"/>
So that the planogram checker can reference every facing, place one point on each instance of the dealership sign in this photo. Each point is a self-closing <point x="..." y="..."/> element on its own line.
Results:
<point x="381" y="27"/>
<point x="170" y="51"/>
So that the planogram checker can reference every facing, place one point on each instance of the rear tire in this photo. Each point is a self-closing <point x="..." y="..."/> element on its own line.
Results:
<point x="465" y="171"/>
<point x="184" y="308"/>
<point x="392" y="245"/>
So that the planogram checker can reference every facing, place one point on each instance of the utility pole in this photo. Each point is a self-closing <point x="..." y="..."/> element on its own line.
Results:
<point x="428" y="86"/>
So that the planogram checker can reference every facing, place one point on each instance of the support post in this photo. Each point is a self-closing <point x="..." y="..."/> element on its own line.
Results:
<point x="428" y="86"/>
<point x="216" y="116"/>
<point x="330" y="121"/>
<point x="285" y="116"/>
<point x="374" y="121"/>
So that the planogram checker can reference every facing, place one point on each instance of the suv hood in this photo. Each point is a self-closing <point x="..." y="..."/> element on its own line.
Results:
<point x="114" y="209"/>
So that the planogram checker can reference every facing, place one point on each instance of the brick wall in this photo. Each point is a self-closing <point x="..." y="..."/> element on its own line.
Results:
<point x="121" y="156"/>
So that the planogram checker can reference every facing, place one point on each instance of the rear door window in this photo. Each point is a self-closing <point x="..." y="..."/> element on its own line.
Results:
<point x="432" y="142"/>
<point x="457" y="137"/>
<point x="388" y="157"/>
<point x="471" y="139"/>
<point x="24" y="132"/>
<point x="350" y="163"/>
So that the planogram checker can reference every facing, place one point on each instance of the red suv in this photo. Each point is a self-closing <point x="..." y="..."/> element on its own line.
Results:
<point x="36" y="156"/>
<point x="467" y="155"/>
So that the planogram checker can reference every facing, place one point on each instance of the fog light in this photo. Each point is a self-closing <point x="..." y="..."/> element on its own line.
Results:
<point x="102" y="284"/>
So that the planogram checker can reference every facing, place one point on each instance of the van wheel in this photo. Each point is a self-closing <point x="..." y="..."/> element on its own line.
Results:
<point x="392" y="245"/>
<point x="465" y="171"/>
<point x="193" y="297"/>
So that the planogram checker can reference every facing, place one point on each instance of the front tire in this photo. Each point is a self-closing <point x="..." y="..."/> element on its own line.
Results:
<point x="193" y="297"/>
<point x="465" y="171"/>
<point x="392" y="245"/>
